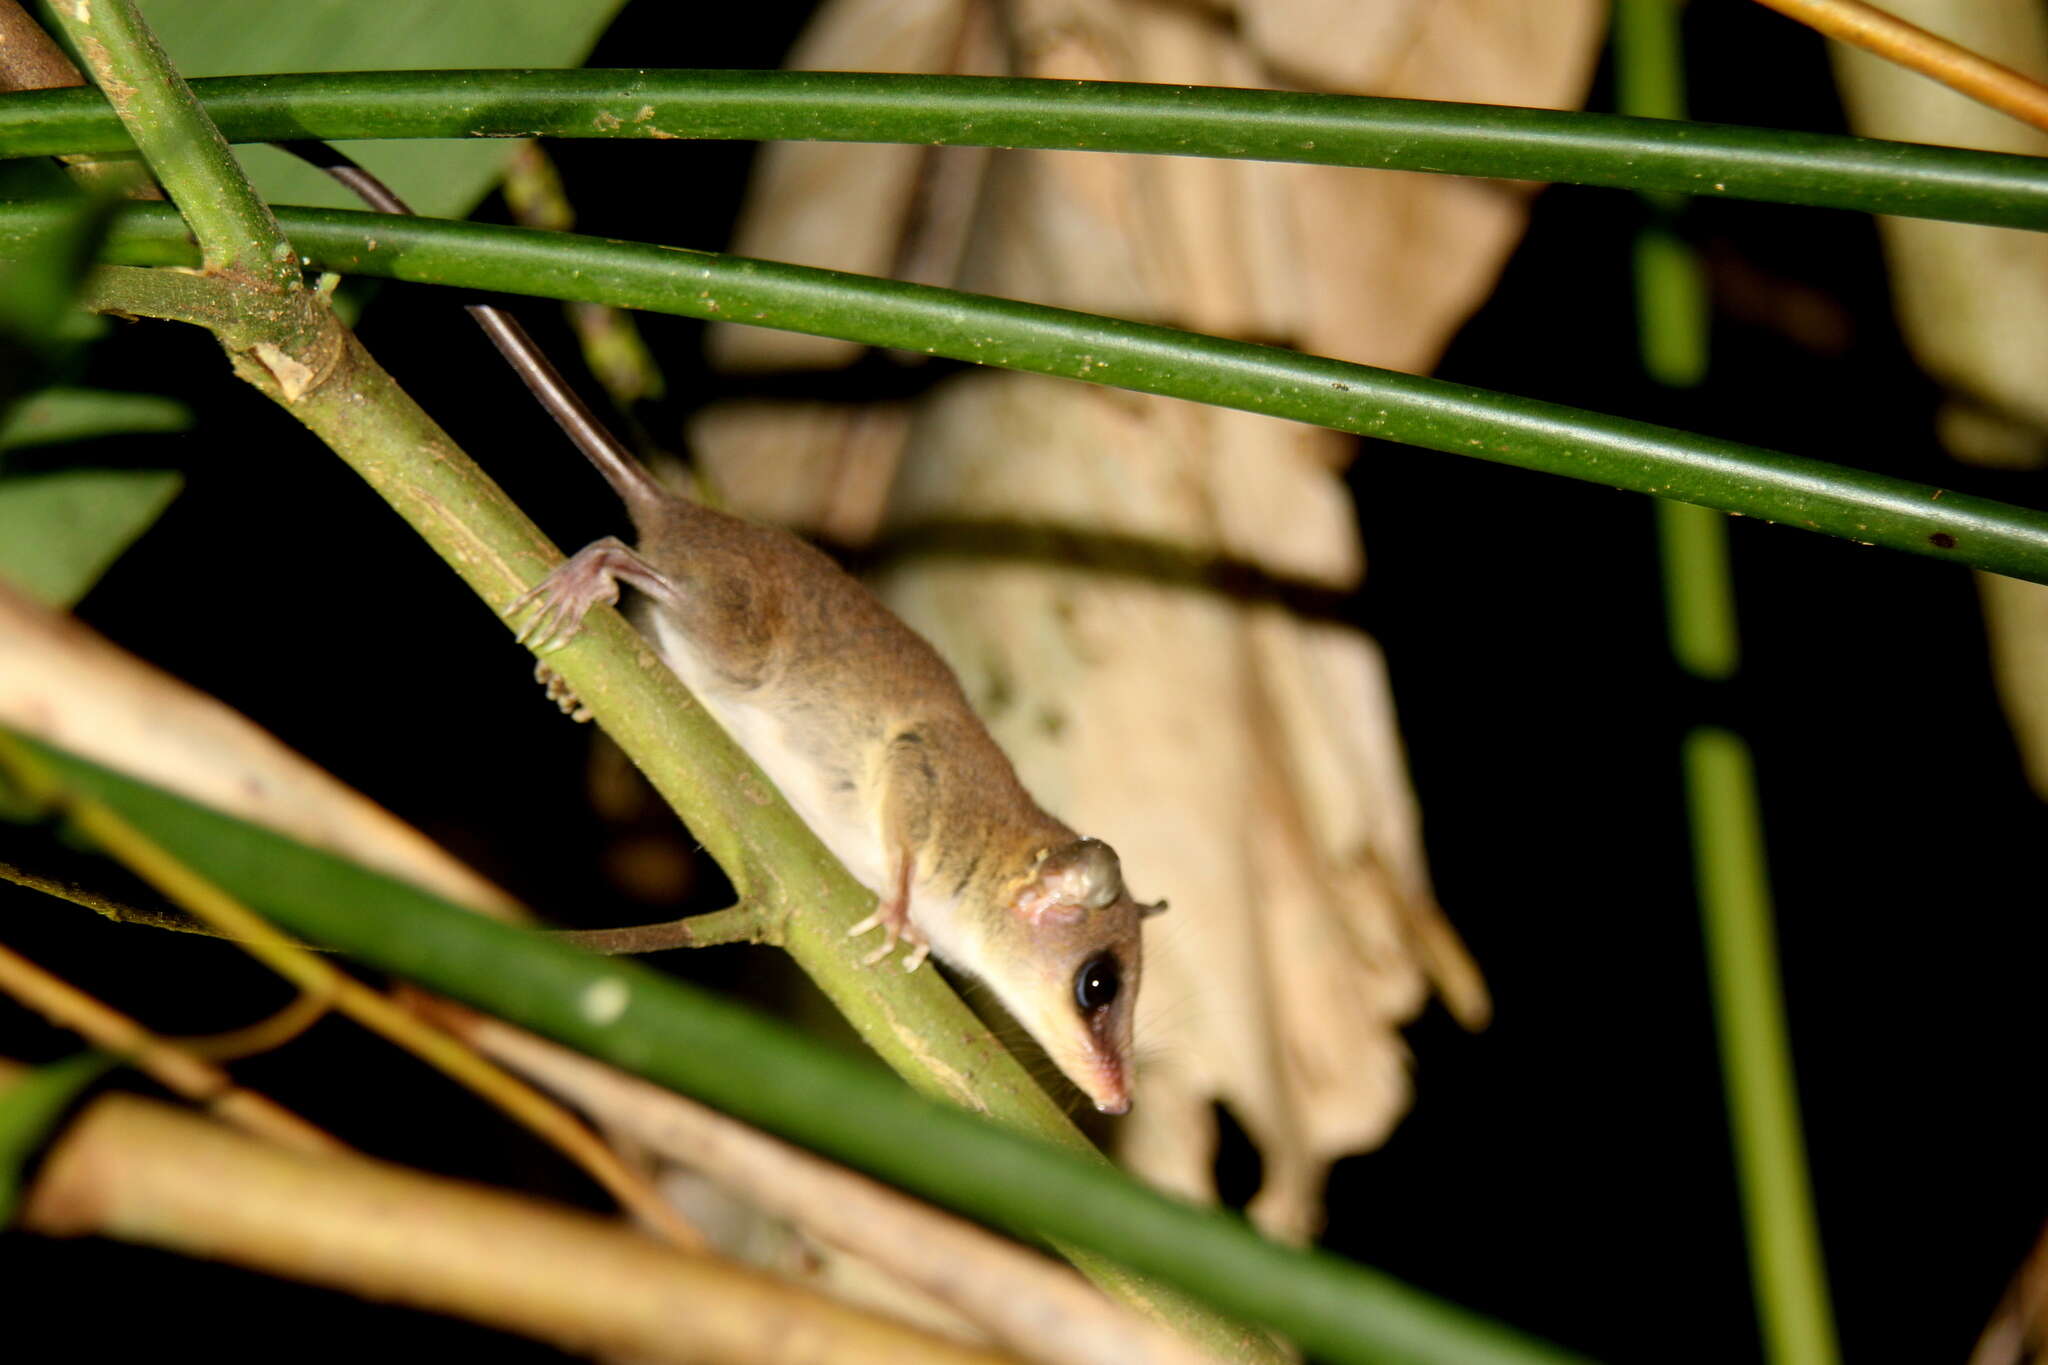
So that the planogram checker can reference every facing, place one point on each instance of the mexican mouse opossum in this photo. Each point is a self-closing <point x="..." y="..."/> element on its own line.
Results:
<point x="866" y="732"/>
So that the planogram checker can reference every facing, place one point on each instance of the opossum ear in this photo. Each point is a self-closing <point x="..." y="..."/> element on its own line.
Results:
<point x="1071" y="881"/>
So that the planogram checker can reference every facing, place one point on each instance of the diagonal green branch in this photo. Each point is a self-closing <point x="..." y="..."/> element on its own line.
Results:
<point x="1704" y="160"/>
<point x="1639" y="456"/>
<point x="187" y="153"/>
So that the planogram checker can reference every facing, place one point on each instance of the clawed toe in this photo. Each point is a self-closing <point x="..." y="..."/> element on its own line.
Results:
<point x="560" y="693"/>
<point x="550" y="628"/>
<point x="540" y="629"/>
<point x="896" y="928"/>
<point x="884" y="922"/>
<point x="559" y="602"/>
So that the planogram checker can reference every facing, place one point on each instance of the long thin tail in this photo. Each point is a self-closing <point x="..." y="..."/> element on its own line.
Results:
<point x="629" y="478"/>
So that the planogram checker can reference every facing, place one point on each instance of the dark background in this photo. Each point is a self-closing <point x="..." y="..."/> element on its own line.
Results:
<point x="1568" y="1170"/>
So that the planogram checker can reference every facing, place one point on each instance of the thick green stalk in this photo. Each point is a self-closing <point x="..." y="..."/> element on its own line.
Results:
<point x="770" y="1075"/>
<point x="187" y="153"/>
<point x="1707" y="160"/>
<point x="1786" y="1268"/>
<point x="1639" y="456"/>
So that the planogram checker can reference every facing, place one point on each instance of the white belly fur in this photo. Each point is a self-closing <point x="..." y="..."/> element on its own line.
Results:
<point x="843" y="820"/>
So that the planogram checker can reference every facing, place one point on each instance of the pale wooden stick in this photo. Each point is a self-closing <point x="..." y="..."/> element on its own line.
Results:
<point x="1029" y="1304"/>
<point x="142" y="1172"/>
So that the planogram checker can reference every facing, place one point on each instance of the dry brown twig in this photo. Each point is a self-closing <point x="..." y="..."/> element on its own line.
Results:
<point x="143" y="1172"/>
<point x="265" y="1035"/>
<point x="1955" y="66"/>
<point x="1028" y="1304"/>
<point x="180" y="1069"/>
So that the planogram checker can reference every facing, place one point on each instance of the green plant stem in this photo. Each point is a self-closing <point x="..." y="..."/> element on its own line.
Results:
<point x="236" y="232"/>
<point x="1672" y="322"/>
<point x="280" y="335"/>
<point x="1701" y="159"/>
<point x="768" y="1074"/>
<point x="1672" y="326"/>
<point x="1785" y="1264"/>
<point x="1699" y="590"/>
<point x="1786" y="1270"/>
<point x="1639" y="456"/>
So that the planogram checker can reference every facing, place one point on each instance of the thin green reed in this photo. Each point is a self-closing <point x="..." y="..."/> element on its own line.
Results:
<point x="1786" y="1269"/>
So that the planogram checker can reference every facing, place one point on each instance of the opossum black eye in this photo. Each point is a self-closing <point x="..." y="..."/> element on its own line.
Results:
<point x="1096" y="984"/>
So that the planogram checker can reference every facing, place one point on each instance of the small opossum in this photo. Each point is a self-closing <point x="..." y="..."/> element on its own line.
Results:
<point x="865" y="731"/>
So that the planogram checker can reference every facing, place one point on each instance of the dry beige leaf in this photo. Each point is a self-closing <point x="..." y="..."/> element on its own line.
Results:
<point x="843" y="205"/>
<point x="1955" y="283"/>
<point x="1479" y="51"/>
<point x="63" y="684"/>
<point x="820" y="468"/>
<point x="1956" y="287"/>
<point x="2016" y="620"/>
<point x="1377" y="268"/>
<point x="1244" y="761"/>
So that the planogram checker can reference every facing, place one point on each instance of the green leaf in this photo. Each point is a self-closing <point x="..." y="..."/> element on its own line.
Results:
<point x="766" y="1073"/>
<point x="60" y="531"/>
<point x="38" y="324"/>
<point x="57" y="415"/>
<point x="39" y="282"/>
<point x="208" y="38"/>
<point x="32" y="1109"/>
